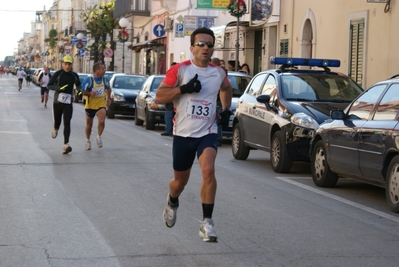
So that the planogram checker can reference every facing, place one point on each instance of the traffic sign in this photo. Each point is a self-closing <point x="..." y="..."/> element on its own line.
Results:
<point x="87" y="54"/>
<point x="108" y="52"/>
<point x="75" y="40"/>
<point x="179" y="30"/>
<point x="159" y="30"/>
<point x="81" y="52"/>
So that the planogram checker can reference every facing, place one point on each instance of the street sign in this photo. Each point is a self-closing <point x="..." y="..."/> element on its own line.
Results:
<point x="107" y="59"/>
<point x="87" y="54"/>
<point x="179" y="30"/>
<point x="81" y="52"/>
<point x="75" y="40"/>
<point x="67" y="49"/>
<point x="191" y="23"/>
<point x="205" y="22"/>
<point x="108" y="52"/>
<point x="159" y="30"/>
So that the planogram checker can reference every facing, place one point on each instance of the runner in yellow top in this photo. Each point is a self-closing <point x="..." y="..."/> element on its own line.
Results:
<point x="97" y="91"/>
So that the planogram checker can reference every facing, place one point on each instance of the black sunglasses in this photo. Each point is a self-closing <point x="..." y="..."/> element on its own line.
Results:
<point x="202" y="44"/>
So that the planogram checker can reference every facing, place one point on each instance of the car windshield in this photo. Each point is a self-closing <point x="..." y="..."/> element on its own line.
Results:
<point x="109" y="75"/>
<point x="129" y="82"/>
<point x="238" y="83"/>
<point x="319" y="87"/>
<point x="155" y="84"/>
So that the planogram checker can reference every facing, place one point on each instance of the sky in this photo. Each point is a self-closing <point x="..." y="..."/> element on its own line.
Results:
<point x="15" y="19"/>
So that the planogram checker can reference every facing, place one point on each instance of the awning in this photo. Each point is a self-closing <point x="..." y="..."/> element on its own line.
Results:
<point x="148" y="44"/>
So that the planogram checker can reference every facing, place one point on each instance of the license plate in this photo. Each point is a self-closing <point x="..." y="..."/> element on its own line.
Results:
<point x="133" y="105"/>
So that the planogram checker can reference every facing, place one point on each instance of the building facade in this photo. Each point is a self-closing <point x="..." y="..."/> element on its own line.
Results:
<point x="360" y="33"/>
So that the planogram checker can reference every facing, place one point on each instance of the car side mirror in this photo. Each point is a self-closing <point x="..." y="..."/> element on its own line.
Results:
<point x="337" y="114"/>
<point x="265" y="99"/>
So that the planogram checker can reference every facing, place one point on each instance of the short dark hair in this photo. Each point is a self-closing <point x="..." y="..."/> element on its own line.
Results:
<point x="97" y="65"/>
<point x="201" y="30"/>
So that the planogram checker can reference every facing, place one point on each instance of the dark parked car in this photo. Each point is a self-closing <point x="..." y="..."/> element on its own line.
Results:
<point x="362" y="142"/>
<point x="281" y="109"/>
<point x="147" y="109"/>
<point x="124" y="89"/>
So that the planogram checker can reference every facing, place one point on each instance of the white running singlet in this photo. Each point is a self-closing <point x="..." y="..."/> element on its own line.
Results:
<point x="195" y="113"/>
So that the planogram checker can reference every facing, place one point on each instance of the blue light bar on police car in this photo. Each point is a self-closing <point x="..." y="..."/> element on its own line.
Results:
<point x="311" y="62"/>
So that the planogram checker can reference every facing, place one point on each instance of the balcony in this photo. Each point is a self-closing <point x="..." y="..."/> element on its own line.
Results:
<point x="127" y="8"/>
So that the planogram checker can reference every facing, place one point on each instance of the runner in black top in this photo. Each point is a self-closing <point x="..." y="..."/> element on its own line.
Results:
<point x="62" y="83"/>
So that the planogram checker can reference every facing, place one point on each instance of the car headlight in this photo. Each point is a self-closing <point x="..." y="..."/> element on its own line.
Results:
<point x="119" y="98"/>
<point x="304" y="120"/>
<point x="154" y="105"/>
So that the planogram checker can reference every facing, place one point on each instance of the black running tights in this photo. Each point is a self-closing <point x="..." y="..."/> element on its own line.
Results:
<point x="65" y="110"/>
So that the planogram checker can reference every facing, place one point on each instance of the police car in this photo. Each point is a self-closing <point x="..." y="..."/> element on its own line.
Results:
<point x="281" y="109"/>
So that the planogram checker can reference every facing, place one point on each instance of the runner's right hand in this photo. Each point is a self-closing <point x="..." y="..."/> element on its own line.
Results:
<point x="192" y="86"/>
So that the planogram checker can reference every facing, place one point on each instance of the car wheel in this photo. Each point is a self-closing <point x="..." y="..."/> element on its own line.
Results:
<point x="240" y="151"/>
<point x="281" y="162"/>
<point x="321" y="173"/>
<point x="148" y="124"/>
<point x="137" y="121"/>
<point x="392" y="184"/>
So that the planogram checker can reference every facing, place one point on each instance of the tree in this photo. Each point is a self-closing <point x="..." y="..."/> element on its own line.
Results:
<point x="100" y="22"/>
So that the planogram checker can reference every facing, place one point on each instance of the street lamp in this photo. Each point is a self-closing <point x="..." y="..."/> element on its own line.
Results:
<point x="123" y="37"/>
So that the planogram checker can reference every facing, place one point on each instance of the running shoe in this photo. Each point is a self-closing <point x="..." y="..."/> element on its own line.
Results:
<point x="207" y="231"/>
<point x="54" y="133"/>
<point x="66" y="149"/>
<point x="169" y="213"/>
<point x="99" y="142"/>
<point x="42" y="100"/>
<point x="88" y="145"/>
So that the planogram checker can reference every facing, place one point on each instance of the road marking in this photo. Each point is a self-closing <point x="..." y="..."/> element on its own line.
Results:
<point x="9" y="132"/>
<point x="340" y="199"/>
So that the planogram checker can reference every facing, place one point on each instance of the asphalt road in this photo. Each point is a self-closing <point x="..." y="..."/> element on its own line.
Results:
<point x="104" y="207"/>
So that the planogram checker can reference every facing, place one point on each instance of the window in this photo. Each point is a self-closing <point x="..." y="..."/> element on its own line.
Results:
<point x="356" y="50"/>
<point x="256" y="84"/>
<point x="362" y="107"/>
<point x="389" y="105"/>
<point x="284" y="47"/>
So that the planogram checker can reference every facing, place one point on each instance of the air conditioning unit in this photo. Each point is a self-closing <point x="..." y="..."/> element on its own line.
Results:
<point x="168" y="24"/>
